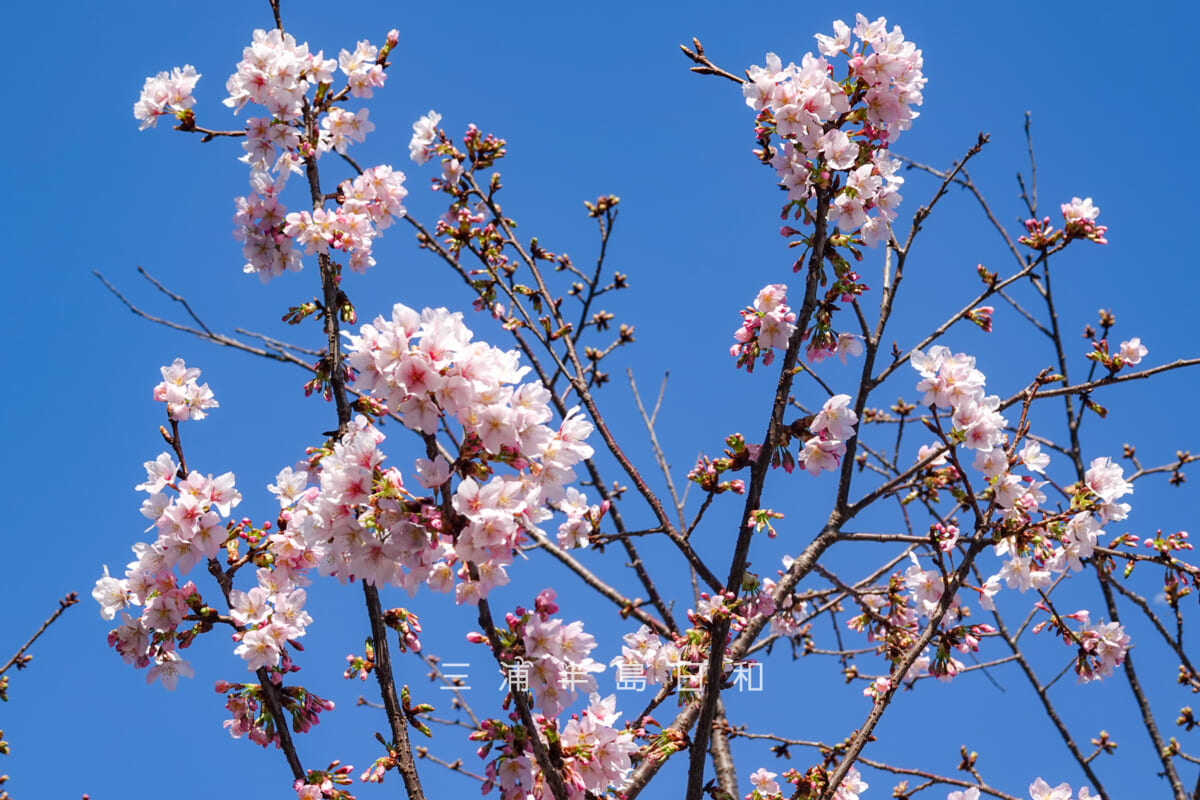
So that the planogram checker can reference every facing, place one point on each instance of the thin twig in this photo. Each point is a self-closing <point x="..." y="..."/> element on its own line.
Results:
<point x="661" y="459"/>
<point x="18" y="657"/>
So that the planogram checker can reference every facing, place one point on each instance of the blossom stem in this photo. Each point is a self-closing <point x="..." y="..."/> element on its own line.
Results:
<point x="387" y="688"/>
<point x="758" y="475"/>
<point x="541" y="754"/>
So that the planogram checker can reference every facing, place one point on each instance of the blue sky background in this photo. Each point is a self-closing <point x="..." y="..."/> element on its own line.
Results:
<point x="593" y="99"/>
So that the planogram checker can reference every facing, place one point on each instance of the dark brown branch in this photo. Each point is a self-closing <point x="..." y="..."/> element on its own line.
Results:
<point x="550" y="771"/>
<point x="454" y="766"/>
<point x="754" y="490"/>
<point x="1108" y="380"/>
<point x="585" y="396"/>
<point x="879" y="765"/>
<point x="863" y="734"/>
<point x="1139" y="696"/>
<point x="1043" y="694"/>
<point x="627" y="606"/>
<point x="397" y="720"/>
<point x="203" y="332"/>
<point x="704" y="66"/>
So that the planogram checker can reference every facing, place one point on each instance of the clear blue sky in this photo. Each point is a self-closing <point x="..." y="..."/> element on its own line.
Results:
<point x="593" y="99"/>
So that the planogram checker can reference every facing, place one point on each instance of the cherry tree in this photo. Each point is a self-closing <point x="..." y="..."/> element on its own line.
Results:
<point x="962" y="532"/>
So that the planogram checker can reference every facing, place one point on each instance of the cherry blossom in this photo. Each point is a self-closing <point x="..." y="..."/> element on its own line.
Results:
<point x="498" y="474"/>
<point x="1133" y="351"/>
<point x="764" y="783"/>
<point x="766" y="326"/>
<point x="806" y="108"/>
<point x="1080" y="221"/>
<point x="1033" y="458"/>
<point x="831" y="427"/>
<point x="424" y="134"/>
<point x="1040" y="790"/>
<point x="363" y="72"/>
<point x="851" y="787"/>
<point x="185" y="398"/>
<point x="168" y="668"/>
<point x="646" y="650"/>
<point x="966" y="794"/>
<point x="275" y="72"/>
<point x="835" y="418"/>
<point x="166" y="93"/>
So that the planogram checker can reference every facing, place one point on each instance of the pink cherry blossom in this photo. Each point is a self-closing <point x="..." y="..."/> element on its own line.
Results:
<point x="259" y="649"/>
<point x="424" y="133"/>
<point x="1133" y="351"/>
<point x="1080" y="221"/>
<point x="1106" y="480"/>
<point x="822" y="455"/>
<point x="1033" y="458"/>
<point x="168" y="669"/>
<point x="1040" y="790"/>
<point x="851" y="787"/>
<point x="764" y="782"/>
<point x="185" y="398"/>
<point x="836" y="418"/>
<point x="165" y="93"/>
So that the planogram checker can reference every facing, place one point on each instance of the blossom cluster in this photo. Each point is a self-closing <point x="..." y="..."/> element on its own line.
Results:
<point x="371" y="202"/>
<point x="555" y="660"/>
<point x="185" y="398"/>
<point x="844" y="344"/>
<point x="259" y="220"/>
<point x="321" y="784"/>
<point x="1079" y="222"/>
<point x="766" y="327"/>
<point x="891" y="619"/>
<point x="681" y="662"/>
<point x="767" y="788"/>
<point x="424" y="135"/>
<point x="653" y="658"/>
<point x="810" y="112"/>
<point x="188" y="513"/>
<point x="271" y="614"/>
<point x="278" y="74"/>
<point x="553" y="663"/>
<point x="791" y="614"/>
<point x="275" y="72"/>
<point x="250" y="717"/>
<point x="1129" y="353"/>
<point x="358" y="519"/>
<point x="1040" y="790"/>
<point x="952" y="381"/>
<point x="1036" y="548"/>
<point x="166" y="93"/>
<point x="831" y="428"/>
<point x="1076" y="536"/>
<point x="1079" y="217"/>
<point x="188" y="520"/>
<point x="1101" y="646"/>
<point x="273" y="237"/>
<point x="345" y="514"/>
<point x="595" y="755"/>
